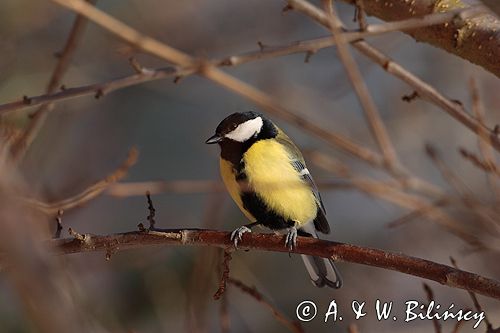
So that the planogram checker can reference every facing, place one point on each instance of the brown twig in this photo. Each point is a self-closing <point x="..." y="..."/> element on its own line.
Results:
<point x="164" y="186"/>
<point x="478" y="162"/>
<point x="225" y="321"/>
<point x="209" y="71"/>
<point x="483" y="139"/>
<point x="311" y="45"/>
<point x="443" y="274"/>
<point x="90" y="192"/>
<point x="360" y="15"/>
<point x="423" y="89"/>
<point x="372" y="115"/>
<point x="447" y="172"/>
<point x="474" y="39"/>
<point x="193" y="186"/>
<point x="59" y="226"/>
<point x="430" y="298"/>
<point x="38" y="117"/>
<point x="292" y="325"/>
<point x="410" y="97"/>
<point x="97" y="90"/>
<point x="485" y="213"/>
<point x="224" y="275"/>
<point x="132" y="35"/>
<point x="393" y="193"/>
<point x="477" y="305"/>
<point x="202" y="273"/>
<point x="152" y="212"/>
<point x="417" y="213"/>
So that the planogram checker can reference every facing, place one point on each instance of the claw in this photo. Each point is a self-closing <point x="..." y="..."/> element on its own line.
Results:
<point x="237" y="234"/>
<point x="291" y="239"/>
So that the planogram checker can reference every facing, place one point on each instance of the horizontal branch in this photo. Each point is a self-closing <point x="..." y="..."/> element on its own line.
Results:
<point x="476" y="39"/>
<point x="426" y="269"/>
<point x="265" y="52"/>
<point x="96" y="89"/>
<point x="309" y="46"/>
<point x="423" y="89"/>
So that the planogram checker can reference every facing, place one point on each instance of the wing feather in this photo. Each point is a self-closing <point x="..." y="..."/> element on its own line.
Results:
<point x="297" y="161"/>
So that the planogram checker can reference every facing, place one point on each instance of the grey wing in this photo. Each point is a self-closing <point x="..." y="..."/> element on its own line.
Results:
<point x="304" y="173"/>
<point x="320" y="222"/>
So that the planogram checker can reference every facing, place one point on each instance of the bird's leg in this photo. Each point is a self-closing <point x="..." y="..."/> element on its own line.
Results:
<point x="238" y="233"/>
<point x="291" y="238"/>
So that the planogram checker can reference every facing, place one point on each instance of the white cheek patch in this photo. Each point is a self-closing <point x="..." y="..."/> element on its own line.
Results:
<point x="246" y="130"/>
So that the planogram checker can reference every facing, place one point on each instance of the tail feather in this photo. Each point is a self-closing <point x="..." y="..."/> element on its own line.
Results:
<point x="322" y="271"/>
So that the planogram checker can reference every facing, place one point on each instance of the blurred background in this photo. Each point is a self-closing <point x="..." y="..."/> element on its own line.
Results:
<point x="162" y="289"/>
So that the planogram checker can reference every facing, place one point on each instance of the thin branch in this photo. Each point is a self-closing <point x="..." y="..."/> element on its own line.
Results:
<point x="224" y="275"/>
<point x="360" y="15"/>
<point x="292" y="325"/>
<point x="417" y="213"/>
<point x="201" y="277"/>
<point x="20" y="147"/>
<point x="430" y="298"/>
<point x="192" y="186"/>
<point x="97" y="89"/>
<point x="372" y="115"/>
<point x="267" y="52"/>
<point x="395" y="195"/>
<point x="164" y="186"/>
<point x="483" y="139"/>
<point x="477" y="305"/>
<point x="151" y="215"/>
<point x="423" y="89"/>
<point x="225" y="321"/>
<point x="428" y="20"/>
<point x="152" y="212"/>
<point x="59" y="226"/>
<point x="478" y="162"/>
<point x="209" y="71"/>
<point x="89" y="193"/>
<point x="426" y="269"/>
<point x="263" y="53"/>
<point x="448" y="174"/>
<point x="485" y="213"/>
<point x="474" y="39"/>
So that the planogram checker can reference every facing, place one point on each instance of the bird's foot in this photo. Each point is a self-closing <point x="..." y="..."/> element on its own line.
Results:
<point x="291" y="238"/>
<point x="238" y="233"/>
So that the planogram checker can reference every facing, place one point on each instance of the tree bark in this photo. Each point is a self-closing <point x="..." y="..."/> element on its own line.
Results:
<point x="476" y="40"/>
<point x="426" y="269"/>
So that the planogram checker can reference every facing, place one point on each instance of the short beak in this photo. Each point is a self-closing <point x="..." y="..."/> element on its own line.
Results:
<point x="214" y="139"/>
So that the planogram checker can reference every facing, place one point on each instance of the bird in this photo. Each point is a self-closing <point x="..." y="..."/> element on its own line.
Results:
<point x="266" y="175"/>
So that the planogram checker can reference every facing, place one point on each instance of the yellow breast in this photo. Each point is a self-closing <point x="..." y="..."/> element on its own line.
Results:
<point x="232" y="186"/>
<point x="277" y="183"/>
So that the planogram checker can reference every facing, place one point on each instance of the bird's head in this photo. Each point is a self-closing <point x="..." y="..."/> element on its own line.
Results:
<point x="240" y="127"/>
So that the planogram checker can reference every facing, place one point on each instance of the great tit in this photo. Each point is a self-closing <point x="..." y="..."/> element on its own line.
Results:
<point x="266" y="175"/>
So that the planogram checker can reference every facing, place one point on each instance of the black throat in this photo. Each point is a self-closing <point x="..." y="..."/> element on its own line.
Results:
<point x="233" y="151"/>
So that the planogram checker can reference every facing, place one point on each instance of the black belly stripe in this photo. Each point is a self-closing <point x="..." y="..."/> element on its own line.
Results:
<point x="254" y="204"/>
<point x="239" y="172"/>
